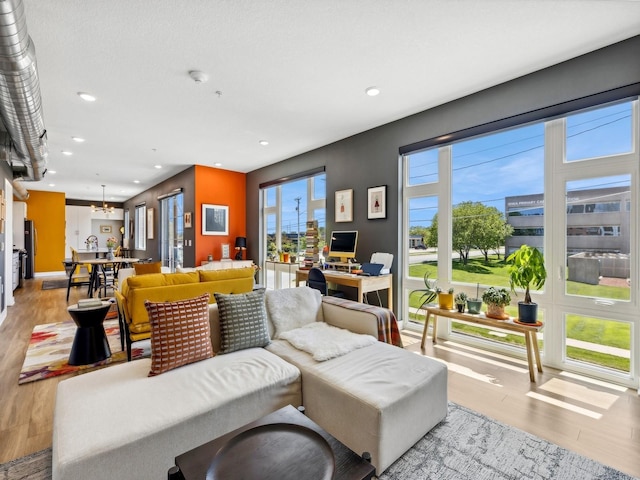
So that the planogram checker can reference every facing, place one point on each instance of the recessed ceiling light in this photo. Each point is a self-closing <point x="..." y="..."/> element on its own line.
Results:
<point x="66" y="152"/>
<point x="157" y="166"/>
<point x="136" y="181"/>
<point x="51" y="172"/>
<point x="52" y="184"/>
<point x="217" y="164"/>
<point x="87" y="97"/>
<point x="372" y="91"/>
<point x="263" y="142"/>
<point x="77" y="139"/>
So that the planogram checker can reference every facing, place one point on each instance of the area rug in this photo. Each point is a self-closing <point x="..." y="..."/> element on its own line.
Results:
<point x="55" y="283"/>
<point x="50" y="346"/>
<point x="466" y="446"/>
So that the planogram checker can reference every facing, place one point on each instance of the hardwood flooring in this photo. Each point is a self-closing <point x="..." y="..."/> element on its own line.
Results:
<point x="595" y="419"/>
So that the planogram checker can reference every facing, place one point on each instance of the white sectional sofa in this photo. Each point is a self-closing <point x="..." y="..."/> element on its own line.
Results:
<point x="119" y="423"/>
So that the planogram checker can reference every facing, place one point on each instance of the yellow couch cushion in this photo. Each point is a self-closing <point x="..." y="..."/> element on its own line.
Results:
<point x="146" y="281"/>
<point x="181" y="278"/>
<point x="169" y="287"/>
<point x="146" y="268"/>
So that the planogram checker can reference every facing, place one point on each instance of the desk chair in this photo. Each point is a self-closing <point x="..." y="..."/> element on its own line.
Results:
<point x="79" y="273"/>
<point x="317" y="280"/>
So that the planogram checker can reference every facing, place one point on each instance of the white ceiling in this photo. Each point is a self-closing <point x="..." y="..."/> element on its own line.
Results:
<point x="292" y="72"/>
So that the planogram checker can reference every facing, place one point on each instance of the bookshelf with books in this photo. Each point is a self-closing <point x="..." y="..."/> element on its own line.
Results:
<point x="311" y="254"/>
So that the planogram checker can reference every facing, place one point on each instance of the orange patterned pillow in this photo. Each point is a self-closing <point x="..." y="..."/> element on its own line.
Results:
<point x="180" y="333"/>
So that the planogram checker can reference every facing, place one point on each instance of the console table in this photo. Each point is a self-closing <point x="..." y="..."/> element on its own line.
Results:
<point x="529" y="331"/>
<point x="363" y="284"/>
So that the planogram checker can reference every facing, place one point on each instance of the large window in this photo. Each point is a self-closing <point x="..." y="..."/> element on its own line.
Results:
<point x="566" y="186"/>
<point x="287" y="206"/>
<point x="140" y="227"/>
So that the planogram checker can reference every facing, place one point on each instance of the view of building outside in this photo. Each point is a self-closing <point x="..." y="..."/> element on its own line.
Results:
<point x="500" y="199"/>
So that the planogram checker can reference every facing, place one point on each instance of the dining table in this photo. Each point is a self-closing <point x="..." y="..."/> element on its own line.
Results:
<point x="101" y="267"/>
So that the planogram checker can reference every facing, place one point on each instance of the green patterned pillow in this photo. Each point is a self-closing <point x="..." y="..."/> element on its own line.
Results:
<point x="243" y="321"/>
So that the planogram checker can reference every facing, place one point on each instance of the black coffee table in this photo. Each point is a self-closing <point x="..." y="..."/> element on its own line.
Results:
<point x="90" y="343"/>
<point x="280" y="446"/>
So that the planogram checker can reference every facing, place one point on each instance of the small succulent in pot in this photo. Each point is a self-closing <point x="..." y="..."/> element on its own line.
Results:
<point x="460" y="300"/>
<point x="496" y="299"/>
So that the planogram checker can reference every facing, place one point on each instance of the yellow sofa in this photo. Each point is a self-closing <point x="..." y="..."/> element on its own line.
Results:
<point x="168" y="287"/>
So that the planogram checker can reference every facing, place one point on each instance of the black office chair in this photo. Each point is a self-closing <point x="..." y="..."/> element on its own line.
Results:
<point x="316" y="280"/>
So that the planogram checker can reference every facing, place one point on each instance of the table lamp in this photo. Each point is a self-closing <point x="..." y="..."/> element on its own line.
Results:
<point x="241" y="244"/>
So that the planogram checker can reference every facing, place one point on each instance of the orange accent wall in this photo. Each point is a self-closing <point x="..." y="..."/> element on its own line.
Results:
<point x="219" y="187"/>
<point x="47" y="210"/>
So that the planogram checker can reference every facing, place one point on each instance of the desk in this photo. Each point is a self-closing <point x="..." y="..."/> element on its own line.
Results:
<point x="362" y="283"/>
<point x="529" y="331"/>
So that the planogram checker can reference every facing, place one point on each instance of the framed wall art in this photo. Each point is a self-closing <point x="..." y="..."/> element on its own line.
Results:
<point x="344" y="205"/>
<point x="105" y="228"/>
<point x="215" y="219"/>
<point x="187" y="219"/>
<point x="377" y="202"/>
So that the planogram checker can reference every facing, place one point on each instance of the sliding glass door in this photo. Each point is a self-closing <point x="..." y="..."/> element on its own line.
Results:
<point x="171" y="231"/>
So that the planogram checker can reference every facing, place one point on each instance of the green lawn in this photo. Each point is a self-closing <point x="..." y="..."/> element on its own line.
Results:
<point x="593" y="330"/>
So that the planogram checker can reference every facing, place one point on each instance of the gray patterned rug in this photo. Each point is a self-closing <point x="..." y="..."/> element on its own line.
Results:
<point x="466" y="446"/>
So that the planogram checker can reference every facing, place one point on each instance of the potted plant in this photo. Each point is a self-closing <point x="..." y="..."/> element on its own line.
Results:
<point x="427" y="294"/>
<point x="445" y="300"/>
<point x="474" y="305"/>
<point x="496" y="299"/>
<point x="460" y="300"/>
<point x="527" y="270"/>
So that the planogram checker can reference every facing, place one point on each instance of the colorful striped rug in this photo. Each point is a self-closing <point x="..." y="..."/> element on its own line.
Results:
<point x="50" y="345"/>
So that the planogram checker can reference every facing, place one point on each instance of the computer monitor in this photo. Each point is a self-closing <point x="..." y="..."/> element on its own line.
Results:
<point x="343" y="244"/>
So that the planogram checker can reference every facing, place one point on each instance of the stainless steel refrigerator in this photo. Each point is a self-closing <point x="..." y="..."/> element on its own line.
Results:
<point x="30" y="245"/>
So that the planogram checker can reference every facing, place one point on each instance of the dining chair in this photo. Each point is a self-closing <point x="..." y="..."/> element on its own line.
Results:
<point x="79" y="273"/>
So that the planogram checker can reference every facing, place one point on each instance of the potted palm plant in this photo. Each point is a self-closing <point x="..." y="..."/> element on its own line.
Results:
<point x="527" y="270"/>
<point x="496" y="299"/>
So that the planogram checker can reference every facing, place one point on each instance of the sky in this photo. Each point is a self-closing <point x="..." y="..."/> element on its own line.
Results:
<point x="491" y="167"/>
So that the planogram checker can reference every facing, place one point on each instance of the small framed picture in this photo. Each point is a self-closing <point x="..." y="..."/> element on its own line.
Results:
<point x="344" y="205"/>
<point x="105" y="228"/>
<point x="377" y="202"/>
<point x="215" y="219"/>
<point x="187" y="219"/>
<point x="225" y="251"/>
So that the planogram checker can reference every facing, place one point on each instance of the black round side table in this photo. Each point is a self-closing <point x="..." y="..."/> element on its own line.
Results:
<point x="90" y="343"/>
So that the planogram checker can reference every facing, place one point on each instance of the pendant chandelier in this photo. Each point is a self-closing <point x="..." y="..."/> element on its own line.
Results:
<point x="104" y="208"/>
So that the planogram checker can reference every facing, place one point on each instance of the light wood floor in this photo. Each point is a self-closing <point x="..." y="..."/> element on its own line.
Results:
<point x="596" y="420"/>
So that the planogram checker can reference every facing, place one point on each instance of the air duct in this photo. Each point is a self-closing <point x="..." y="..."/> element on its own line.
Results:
<point x="20" y="102"/>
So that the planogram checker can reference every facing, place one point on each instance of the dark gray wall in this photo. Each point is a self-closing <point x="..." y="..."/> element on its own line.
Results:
<point x="371" y="158"/>
<point x="184" y="180"/>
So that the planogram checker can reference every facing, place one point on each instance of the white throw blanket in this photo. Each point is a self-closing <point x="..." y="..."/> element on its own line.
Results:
<point x="324" y="342"/>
